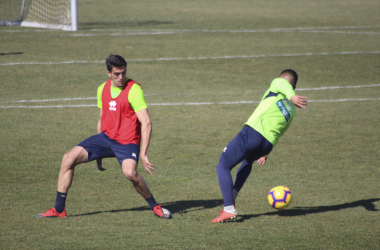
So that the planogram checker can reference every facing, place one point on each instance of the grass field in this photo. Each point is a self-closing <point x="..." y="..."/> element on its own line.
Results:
<point x="204" y="66"/>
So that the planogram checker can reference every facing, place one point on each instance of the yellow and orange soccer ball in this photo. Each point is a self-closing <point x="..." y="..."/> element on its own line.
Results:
<point x="280" y="197"/>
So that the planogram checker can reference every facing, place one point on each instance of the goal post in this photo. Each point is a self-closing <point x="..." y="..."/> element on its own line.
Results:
<point x="51" y="14"/>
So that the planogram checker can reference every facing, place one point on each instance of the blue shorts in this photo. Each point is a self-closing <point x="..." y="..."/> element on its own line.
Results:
<point x="101" y="146"/>
<point x="248" y="145"/>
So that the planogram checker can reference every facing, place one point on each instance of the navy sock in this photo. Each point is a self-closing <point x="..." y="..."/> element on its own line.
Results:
<point x="60" y="202"/>
<point x="152" y="202"/>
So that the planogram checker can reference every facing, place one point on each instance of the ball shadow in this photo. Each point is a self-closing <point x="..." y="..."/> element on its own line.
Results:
<point x="299" y="211"/>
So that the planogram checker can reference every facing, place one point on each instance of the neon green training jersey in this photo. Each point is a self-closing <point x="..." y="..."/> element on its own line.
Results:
<point x="135" y="96"/>
<point x="275" y="112"/>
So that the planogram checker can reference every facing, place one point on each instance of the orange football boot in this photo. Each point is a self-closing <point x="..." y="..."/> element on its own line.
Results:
<point x="224" y="217"/>
<point x="51" y="213"/>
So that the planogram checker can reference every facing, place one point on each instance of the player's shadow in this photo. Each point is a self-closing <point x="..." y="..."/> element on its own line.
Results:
<point x="176" y="207"/>
<point x="187" y="206"/>
<point x="11" y="53"/>
<point x="297" y="211"/>
<point x="123" y="24"/>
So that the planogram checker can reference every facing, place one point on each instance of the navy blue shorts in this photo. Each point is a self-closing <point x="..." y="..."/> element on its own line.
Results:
<point x="248" y="145"/>
<point x="101" y="146"/>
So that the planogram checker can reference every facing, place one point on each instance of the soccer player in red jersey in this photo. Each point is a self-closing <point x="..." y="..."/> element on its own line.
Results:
<point x="124" y="131"/>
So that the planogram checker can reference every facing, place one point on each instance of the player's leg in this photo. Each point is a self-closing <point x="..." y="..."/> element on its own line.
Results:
<point x="241" y="176"/>
<point x="232" y="154"/>
<point x="92" y="148"/>
<point x="129" y="167"/>
<point x="74" y="157"/>
<point x="256" y="146"/>
<point x="223" y="169"/>
<point x="127" y="155"/>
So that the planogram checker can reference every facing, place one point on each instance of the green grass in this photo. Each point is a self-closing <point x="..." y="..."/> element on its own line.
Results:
<point x="329" y="158"/>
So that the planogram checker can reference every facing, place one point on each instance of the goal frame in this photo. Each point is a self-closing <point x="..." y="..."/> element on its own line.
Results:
<point x="72" y="27"/>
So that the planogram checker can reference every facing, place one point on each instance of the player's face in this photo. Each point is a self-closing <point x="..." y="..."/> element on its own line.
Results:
<point x="118" y="76"/>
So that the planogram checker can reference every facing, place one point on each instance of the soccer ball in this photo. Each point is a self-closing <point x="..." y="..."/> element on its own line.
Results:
<point x="280" y="197"/>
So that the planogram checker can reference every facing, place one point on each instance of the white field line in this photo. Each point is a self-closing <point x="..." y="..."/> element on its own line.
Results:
<point x="342" y="32"/>
<point x="346" y="100"/>
<point x="199" y="30"/>
<point x="56" y="100"/>
<point x="168" y="32"/>
<point x="200" y="58"/>
<point x="187" y="103"/>
<point x="50" y="106"/>
<point x="340" y="87"/>
<point x="94" y="98"/>
<point x="255" y="30"/>
<point x="51" y="63"/>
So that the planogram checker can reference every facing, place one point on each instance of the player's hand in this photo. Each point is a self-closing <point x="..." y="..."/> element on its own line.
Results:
<point x="147" y="165"/>
<point x="262" y="160"/>
<point x="299" y="101"/>
<point x="99" y="163"/>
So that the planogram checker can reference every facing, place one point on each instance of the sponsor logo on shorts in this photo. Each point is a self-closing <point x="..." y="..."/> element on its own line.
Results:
<point x="225" y="149"/>
<point x="112" y="105"/>
<point x="134" y="155"/>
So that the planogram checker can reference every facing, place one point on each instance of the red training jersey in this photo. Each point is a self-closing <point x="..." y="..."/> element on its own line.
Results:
<point x="119" y="120"/>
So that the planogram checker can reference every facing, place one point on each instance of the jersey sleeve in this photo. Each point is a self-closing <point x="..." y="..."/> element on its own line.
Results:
<point x="136" y="98"/>
<point x="280" y="85"/>
<point x="99" y="95"/>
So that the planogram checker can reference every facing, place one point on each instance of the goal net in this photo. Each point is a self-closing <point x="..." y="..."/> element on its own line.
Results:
<point x="53" y="14"/>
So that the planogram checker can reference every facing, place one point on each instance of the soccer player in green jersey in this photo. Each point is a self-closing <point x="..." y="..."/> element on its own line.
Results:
<point x="255" y="141"/>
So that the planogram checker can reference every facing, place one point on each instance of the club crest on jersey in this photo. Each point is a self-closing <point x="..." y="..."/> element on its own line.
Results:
<point x="112" y="105"/>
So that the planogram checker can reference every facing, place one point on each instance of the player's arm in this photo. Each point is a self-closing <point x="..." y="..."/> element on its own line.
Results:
<point x="146" y="132"/>
<point x="299" y="101"/>
<point x="99" y="161"/>
<point x="99" y="124"/>
<point x="137" y="102"/>
<point x="280" y="85"/>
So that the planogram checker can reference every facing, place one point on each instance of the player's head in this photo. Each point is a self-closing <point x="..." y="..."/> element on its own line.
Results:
<point x="291" y="76"/>
<point x="116" y="70"/>
<point x="115" y="61"/>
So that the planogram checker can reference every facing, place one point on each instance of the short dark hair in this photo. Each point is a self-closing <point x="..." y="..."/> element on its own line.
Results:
<point x="115" y="61"/>
<point x="293" y="73"/>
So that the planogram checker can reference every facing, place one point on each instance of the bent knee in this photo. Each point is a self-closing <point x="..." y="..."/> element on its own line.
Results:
<point x="74" y="157"/>
<point x="68" y="159"/>
<point x="131" y="175"/>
